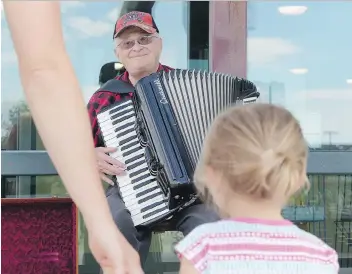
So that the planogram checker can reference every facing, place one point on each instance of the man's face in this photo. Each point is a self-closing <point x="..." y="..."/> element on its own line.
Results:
<point x="138" y="50"/>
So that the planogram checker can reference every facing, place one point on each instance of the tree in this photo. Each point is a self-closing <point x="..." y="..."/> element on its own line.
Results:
<point x="8" y="125"/>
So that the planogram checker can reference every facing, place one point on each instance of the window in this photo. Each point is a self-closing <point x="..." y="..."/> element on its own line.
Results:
<point x="88" y="29"/>
<point x="299" y="56"/>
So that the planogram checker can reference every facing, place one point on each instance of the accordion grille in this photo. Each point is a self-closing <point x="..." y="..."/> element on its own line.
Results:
<point x="196" y="98"/>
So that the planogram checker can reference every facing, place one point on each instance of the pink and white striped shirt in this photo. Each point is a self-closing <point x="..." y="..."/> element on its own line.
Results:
<point x="252" y="246"/>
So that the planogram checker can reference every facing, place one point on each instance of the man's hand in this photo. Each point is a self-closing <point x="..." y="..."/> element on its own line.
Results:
<point x="108" y="165"/>
<point x="112" y="251"/>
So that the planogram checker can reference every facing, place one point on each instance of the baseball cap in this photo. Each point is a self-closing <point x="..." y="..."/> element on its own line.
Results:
<point x="137" y="19"/>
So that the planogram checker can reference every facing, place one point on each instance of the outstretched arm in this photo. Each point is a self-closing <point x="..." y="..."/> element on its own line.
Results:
<point x="59" y="112"/>
<point x="55" y="100"/>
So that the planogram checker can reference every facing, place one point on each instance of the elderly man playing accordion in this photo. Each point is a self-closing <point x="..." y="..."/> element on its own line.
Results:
<point x="138" y="47"/>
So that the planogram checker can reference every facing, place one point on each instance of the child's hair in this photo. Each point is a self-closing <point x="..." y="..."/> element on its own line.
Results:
<point x="257" y="149"/>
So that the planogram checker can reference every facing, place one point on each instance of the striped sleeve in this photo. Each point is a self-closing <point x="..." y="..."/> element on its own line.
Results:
<point x="334" y="259"/>
<point x="194" y="248"/>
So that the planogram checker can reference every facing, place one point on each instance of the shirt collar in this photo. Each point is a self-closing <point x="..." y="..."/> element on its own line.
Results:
<point x="125" y="76"/>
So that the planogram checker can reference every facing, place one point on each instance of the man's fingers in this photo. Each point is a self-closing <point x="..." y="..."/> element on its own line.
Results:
<point x="107" y="149"/>
<point x="111" y="160"/>
<point x="107" y="171"/>
<point x="110" y="169"/>
<point x="106" y="179"/>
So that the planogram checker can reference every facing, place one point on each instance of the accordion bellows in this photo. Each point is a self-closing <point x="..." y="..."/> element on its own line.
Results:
<point x="197" y="97"/>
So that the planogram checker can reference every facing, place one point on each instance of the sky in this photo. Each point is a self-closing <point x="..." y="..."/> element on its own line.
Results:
<point x="320" y="41"/>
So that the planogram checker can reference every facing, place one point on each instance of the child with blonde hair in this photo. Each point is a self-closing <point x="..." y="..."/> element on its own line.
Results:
<point x="253" y="161"/>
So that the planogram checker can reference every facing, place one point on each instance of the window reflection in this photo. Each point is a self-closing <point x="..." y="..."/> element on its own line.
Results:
<point x="302" y="60"/>
<point x="326" y="212"/>
<point x="88" y="29"/>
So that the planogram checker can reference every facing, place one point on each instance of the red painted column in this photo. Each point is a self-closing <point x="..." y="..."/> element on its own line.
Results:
<point x="228" y="37"/>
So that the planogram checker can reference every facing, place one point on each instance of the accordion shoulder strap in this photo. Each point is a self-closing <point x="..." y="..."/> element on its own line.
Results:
<point x="116" y="86"/>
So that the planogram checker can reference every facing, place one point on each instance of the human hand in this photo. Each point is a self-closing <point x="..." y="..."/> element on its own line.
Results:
<point x="112" y="251"/>
<point x="108" y="165"/>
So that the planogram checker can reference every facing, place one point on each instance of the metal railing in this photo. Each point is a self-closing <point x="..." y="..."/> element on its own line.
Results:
<point x="325" y="212"/>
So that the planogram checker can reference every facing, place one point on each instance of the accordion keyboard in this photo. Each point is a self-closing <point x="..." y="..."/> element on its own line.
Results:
<point x="139" y="188"/>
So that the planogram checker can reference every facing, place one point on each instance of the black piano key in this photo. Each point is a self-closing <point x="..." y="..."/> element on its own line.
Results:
<point x="145" y="192"/>
<point x="121" y="113"/>
<point x="118" y="129"/>
<point x="143" y="200"/>
<point x="129" y="152"/>
<point x="129" y="139"/>
<point x="129" y="145"/>
<point x="136" y="180"/>
<point x="123" y="133"/>
<point x="153" y="212"/>
<point x="122" y="119"/>
<point x="133" y="174"/>
<point x="152" y="206"/>
<point x="134" y="158"/>
<point x="138" y="186"/>
<point x="133" y="166"/>
<point x="120" y="108"/>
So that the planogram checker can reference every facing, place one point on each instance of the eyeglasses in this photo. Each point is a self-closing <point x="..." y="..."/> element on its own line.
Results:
<point x="143" y="40"/>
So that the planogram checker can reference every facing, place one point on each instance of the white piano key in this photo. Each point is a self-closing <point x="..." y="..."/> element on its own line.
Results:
<point x="107" y="114"/>
<point x="109" y="123"/>
<point x="125" y="179"/>
<point x="119" y="152"/>
<point x="142" y="181"/>
<point x="107" y="131"/>
<point x="138" y="219"/>
<point x="142" y="166"/>
<point x="126" y="144"/>
<point x="140" y="154"/>
<point x="127" y="191"/>
<point x="129" y="202"/>
<point x="116" y="141"/>
<point x="136" y="208"/>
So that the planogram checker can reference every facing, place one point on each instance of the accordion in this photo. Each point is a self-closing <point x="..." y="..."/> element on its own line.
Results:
<point x="159" y="134"/>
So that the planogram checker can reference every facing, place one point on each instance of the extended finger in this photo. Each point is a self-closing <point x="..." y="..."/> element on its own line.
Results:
<point x="108" y="149"/>
<point x="112" y="161"/>
<point x="115" y="170"/>
<point x="107" y="171"/>
<point x="106" y="179"/>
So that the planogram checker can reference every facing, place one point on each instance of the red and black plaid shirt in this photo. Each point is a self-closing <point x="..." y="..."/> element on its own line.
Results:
<point x="104" y="98"/>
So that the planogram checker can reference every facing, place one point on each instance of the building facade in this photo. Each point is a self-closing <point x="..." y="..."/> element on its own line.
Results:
<point x="298" y="54"/>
